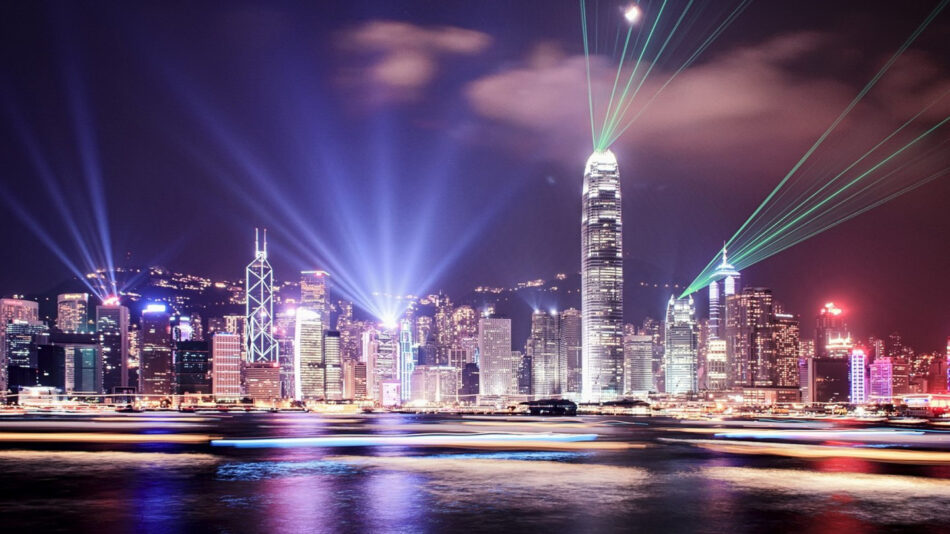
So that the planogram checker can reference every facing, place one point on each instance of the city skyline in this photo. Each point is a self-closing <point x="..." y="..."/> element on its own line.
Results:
<point x="673" y="190"/>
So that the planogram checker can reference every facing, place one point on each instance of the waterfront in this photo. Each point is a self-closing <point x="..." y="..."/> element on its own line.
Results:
<point x="639" y="474"/>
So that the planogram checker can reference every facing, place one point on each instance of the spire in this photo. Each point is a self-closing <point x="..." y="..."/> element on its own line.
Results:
<point x="265" y="241"/>
<point x="724" y="262"/>
<point x="257" y="244"/>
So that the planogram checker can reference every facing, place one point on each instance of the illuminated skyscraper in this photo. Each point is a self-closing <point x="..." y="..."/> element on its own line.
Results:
<point x="681" y="339"/>
<point x="333" y="387"/>
<point x="601" y="279"/>
<point x="309" y="363"/>
<point x="717" y="365"/>
<point x="226" y="365"/>
<point x="315" y="295"/>
<point x="725" y="282"/>
<point x="787" y="347"/>
<point x="831" y="330"/>
<point x="407" y="359"/>
<point x="498" y="373"/>
<point x="155" y="369"/>
<point x="192" y="368"/>
<point x="543" y="351"/>
<point x="72" y="312"/>
<point x="571" y="347"/>
<point x="857" y="377"/>
<point x="112" y="328"/>
<point x="749" y="337"/>
<point x="881" y="373"/>
<point x="638" y="364"/>
<point x="13" y="310"/>
<point x="259" y="310"/>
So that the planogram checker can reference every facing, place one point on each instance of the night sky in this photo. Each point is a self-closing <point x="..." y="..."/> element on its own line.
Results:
<point x="418" y="146"/>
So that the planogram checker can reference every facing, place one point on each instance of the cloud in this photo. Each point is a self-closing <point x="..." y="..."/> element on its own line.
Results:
<point x="396" y="61"/>
<point x="753" y="108"/>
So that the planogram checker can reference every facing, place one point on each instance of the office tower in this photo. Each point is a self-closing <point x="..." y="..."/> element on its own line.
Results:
<point x="192" y="368"/>
<point x="895" y="345"/>
<point x="434" y="384"/>
<point x="407" y="359"/>
<point x="725" y="282"/>
<point x="547" y="367"/>
<point x="831" y="330"/>
<point x="786" y="344"/>
<point x="83" y="361"/>
<point x="497" y="372"/>
<point x="262" y="381"/>
<point x="468" y="392"/>
<point x="112" y="327"/>
<point x="638" y="364"/>
<point x="464" y="324"/>
<point x="571" y="343"/>
<point x="881" y="380"/>
<point x="309" y="364"/>
<point x="829" y="379"/>
<point x="877" y="348"/>
<point x="681" y="340"/>
<point x="182" y="329"/>
<point x="156" y="373"/>
<point x="72" y="312"/>
<point x="354" y="380"/>
<point x="13" y="310"/>
<point x="900" y="375"/>
<point x="259" y="307"/>
<point x="382" y="358"/>
<point x="315" y="294"/>
<point x="226" y="366"/>
<point x="653" y="328"/>
<point x="459" y="356"/>
<point x="333" y="388"/>
<point x="601" y="279"/>
<point x="23" y="339"/>
<point x="717" y="365"/>
<point x="749" y="346"/>
<point x="284" y="331"/>
<point x="857" y="377"/>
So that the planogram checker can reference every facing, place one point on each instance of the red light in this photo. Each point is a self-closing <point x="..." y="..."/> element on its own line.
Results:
<point x="112" y="300"/>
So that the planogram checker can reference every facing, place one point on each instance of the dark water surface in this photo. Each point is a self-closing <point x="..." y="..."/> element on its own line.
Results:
<point x="659" y="486"/>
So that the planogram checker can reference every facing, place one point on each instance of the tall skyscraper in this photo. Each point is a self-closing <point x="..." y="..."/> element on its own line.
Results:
<point x="259" y="310"/>
<point x="831" y="330"/>
<point x="112" y="328"/>
<point x="309" y="363"/>
<point x="72" y="312"/>
<point x="858" y="377"/>
<point x="571" y="344"/>
<point x="787" y="346"/>
<point x="681" y="338"/>
<point x="725" y="282"/>
<point x="315" y="294"/>
<point x="548" y="365"/>
<point x="225" y="365"/>
<point x="601" y="279"/>
<point x="717" y="365"/>
<point x="407" y="359"/>
<point x="333" y="387"/>
<point x="13" y="310"/>
<point x="638" y="364"/>
<point x="156" y="375"/>
<point x="498" y="373"/>
<point x="749" y="337"/>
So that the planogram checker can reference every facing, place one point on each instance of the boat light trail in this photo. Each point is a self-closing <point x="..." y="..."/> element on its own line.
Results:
<point x="412" y="440"/>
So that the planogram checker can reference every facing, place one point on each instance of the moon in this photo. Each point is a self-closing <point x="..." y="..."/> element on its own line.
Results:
<point x="632" y="13"/>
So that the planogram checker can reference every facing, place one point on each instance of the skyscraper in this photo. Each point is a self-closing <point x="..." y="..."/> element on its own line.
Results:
<point x="112" y="328"/>
<point x="309" y="364"/>
<point x="498" y="374"/>
<point x="333" y="387"/>
<point x="717" y="365"/>
<point x="857" y="377"/>
<point x="259" y="310"/>
<point x="225" y="365"/>
<point x="787" y="347"/>
<point x="725" y="282"/>
<point x="315" y="295"/>
<point x="601" y="279"/>
<point x="407" y="360"/>
<point x="547" y="360"/>
<point x="13" y="310"/>
<point x="681" y="339"/>
<point x="749" y="338"/>
<point x="831" y="329"/>
<point x="72" y="312"/>
<point x="192" y="368"/>
<point x="571" y="345"/>
<point x="155" y="369"/>
<point x="638" y="364"/>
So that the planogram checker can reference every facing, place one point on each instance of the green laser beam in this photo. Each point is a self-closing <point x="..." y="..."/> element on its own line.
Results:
<point x="590" y="92"/>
